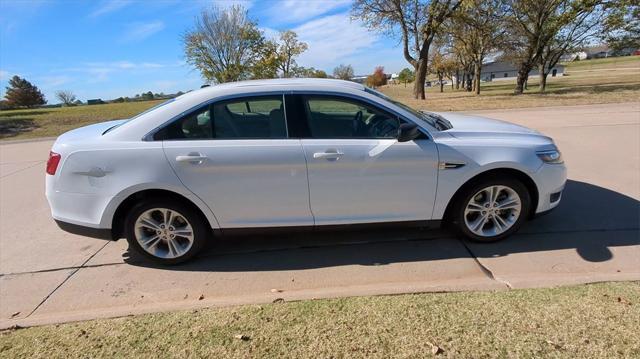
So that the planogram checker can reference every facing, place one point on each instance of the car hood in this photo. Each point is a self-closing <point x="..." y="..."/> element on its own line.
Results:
<point x="465" y="125"/>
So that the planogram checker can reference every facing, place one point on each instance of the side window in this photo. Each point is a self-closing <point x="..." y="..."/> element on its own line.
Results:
<point x="244" y="118"/>
<point x="331" y="117"/>
<point x="252" y="117"/>
<point x="194" y="126"/>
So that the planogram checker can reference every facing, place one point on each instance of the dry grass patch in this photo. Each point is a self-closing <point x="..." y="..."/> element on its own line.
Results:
<point x="612" y="80"/>
<point x="589" y="321"/>
<point x="46" y="122"/>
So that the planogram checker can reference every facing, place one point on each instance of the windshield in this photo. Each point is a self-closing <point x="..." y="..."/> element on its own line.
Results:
<point x="431" y="118"/>
<point x="141" y="113"/>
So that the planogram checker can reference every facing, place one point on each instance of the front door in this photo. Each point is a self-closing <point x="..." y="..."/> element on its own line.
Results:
<point x="236" y="156"/>
<point x="358" y="171"/>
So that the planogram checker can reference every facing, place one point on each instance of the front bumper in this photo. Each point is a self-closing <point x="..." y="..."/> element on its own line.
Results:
<point x="550" y="179"/>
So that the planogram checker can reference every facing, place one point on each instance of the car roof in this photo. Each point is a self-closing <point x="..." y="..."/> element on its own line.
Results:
<point x="277" y="84"/>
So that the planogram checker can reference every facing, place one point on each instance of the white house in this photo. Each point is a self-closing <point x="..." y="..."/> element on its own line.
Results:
<point x="503" y="70"/>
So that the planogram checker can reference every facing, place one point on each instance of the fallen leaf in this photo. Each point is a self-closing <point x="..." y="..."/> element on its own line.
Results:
<point x="186" y="296"/>
<point x="278" y="300"/>
<point x="15" y="314"/>
<point x="435" y="350"/>
<point x="242" y="337"/>
<point x="623" y="301"/>
<point x="555" y="345"/>
<point x="201" y="297"/>
<point x="276" y="290"/>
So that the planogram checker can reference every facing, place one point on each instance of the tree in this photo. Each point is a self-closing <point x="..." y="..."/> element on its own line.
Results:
<point x="288" y="49"/>
<point x="406" y="75"/>
<point x="442" y="66"/>
<point x="477" y="29"/>
<point x="21" y="93"/>
<point x="300" y="71"/>
<point x="267" y="61"/>
<point x="66" y="97"/>
<point x="583" y="27"/>
<point x="343" y="72"/>
<point x="533" y="24"/>
<point x="224" y="45"/>
<point x="621" y="28"/>
<point x="418" y="20"/>
<point x="378" y="78"/>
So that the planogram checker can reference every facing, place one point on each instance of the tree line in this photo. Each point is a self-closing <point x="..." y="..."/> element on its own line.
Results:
<point x="455" y="36"/>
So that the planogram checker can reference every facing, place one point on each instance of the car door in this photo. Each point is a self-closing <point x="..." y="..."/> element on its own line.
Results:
<point x="358" y="171"/>
<point x="237" y="157"/>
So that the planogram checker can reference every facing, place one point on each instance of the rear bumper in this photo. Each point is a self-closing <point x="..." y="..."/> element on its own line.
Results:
<point x="99" y="233"/>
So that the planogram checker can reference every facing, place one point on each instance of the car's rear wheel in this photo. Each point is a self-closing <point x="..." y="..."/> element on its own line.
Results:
<point x="492" y="209"/>
<point x="168" y="232"/>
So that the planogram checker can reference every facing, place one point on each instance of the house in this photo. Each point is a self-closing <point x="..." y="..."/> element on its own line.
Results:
<point x="598" y="52"/>
<point x="95" y="101"/>
<point x="503" y="70"/>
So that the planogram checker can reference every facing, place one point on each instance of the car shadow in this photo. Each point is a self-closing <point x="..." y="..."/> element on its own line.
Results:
<point x="590" y="219"/>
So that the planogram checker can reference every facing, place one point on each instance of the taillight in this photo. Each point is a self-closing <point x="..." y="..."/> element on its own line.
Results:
<point x="52" y="163"/>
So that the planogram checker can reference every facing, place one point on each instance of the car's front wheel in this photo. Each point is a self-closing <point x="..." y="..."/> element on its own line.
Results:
<point x="167" y="232"/>
<point x="492" y="209"/>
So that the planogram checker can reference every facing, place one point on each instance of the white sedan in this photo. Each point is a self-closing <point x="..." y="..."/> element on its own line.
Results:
<point x="291" y="154"/>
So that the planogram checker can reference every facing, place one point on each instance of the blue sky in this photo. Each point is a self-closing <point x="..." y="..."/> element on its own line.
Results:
<point x="110" y="48"/>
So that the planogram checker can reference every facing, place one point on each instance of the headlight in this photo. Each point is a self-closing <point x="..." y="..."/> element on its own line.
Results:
<point x="553" y="156"/>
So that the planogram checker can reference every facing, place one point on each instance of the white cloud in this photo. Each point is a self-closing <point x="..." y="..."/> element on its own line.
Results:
<point x="109" y="6"/>
<point x="4" y="75"/>
<point x="141" y="31"/>
<point x="54" y="81"/>
<point x="294" y="11"/>
<point x="334" y="39"/>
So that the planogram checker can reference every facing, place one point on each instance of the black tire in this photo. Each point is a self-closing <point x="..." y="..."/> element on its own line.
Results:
<point x="201" y="232"/>
<point x="458" y="213"/>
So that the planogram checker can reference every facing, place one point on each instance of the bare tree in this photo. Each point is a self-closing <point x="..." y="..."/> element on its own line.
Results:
<point x="533" y="24"/>
<point x="288" y="49"/>
<point x="224" y="45"/>
<point x="418" y="20"/>
<point x="570" y="38"/>
<point x="66" y="97"/>
<point x="478" y="29"/>
<point x="343" y="72"/>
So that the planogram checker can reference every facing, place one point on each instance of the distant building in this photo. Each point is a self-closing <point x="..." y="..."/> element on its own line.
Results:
<point x="598" y="52"/>
<point x="95" y="101"/>
<point x="503" y="70"/>
<point x="359" y="79"/>
<point x="580" y="55"/>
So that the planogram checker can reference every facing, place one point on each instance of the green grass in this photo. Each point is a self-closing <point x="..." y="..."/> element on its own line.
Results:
<point x="46" y="122"/>
<point x="588" y="321"/>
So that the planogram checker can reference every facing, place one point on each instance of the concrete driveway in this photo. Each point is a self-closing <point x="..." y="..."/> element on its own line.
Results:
<point x="47" y="275"/>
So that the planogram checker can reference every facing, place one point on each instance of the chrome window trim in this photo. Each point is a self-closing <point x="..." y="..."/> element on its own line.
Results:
<point x="150" y="134"/>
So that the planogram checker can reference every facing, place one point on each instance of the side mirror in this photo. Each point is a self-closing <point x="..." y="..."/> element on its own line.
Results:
<point x="408" y="132"/>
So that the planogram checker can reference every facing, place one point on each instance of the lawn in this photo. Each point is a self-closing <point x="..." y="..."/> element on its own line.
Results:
<point x="587" y="321"/>
<point x="47" y="122"/>
<point x="609" y="80"/>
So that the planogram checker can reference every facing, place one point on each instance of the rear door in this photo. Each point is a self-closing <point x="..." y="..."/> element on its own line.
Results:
<point x="358" y="171"/>
<point x="237" y="157"/>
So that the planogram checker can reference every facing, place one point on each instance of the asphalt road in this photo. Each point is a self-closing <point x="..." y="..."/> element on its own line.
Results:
<point x="47" y="275"/>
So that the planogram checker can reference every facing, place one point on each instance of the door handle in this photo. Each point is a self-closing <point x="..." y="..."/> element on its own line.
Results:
<point x="192" y="158"/>
<point x="328" y="155"/>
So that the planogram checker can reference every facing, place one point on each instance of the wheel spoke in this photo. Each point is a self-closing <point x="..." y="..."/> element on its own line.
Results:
<point x="499" y="227"/>
<point x="173" y="248"/>
<point x="168" y="217"/>
<point x="509" y="203"/>
<point x="479" y="224"/>
<point x="495" y="191"/>
<point x="149" y="223"/>
<point x="474" y="207"/>
<point x="150" y="242"/>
